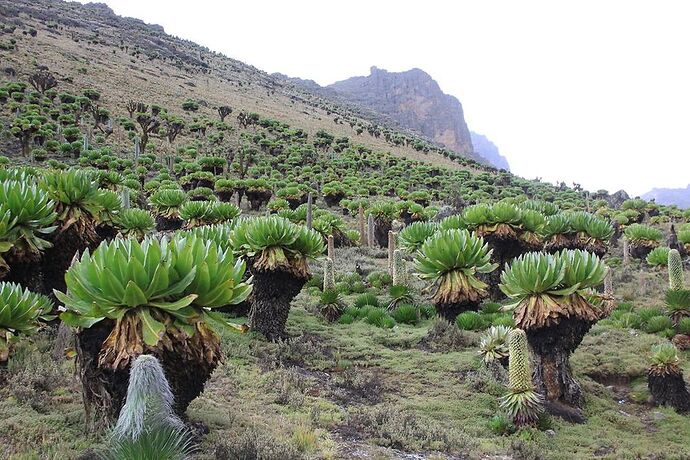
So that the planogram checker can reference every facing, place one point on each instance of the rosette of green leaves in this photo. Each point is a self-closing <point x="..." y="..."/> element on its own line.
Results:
<point x="412" y="237"/>
<point x="590" y="225"/>
<point x="184" y="278"/>
<point x="642" y="233"/>
<point x="452" y="222"/>
<point x="476" y="215"/>
<point x="658" y="256"/>
<point x="20" y="310"/>
<point x="452" y="258"/>
<point x="385" y="210"/>
<point x="558" y="224"/>
<point x="544" y="207"/>
<point x="75" y="193"/>
<point x="537" y="276"/>
<point x="534" y="274"/>
<point x="31" y="215"/>
<point x="110" y="205"/>
<point x="224" y="212"/>
<point x="197" y="213"/>
<point x="275" y="242"/>
<point x="504" y="213"/>
<point x="167" y="202"/>
<point x="135" y="223"/>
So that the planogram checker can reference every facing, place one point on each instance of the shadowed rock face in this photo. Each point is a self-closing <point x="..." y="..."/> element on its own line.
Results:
<point x="415" y="101"/>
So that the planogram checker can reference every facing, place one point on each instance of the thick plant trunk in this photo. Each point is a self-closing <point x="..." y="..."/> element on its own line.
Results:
<point x="493" y="279"/>
<point x="57" y="259"/>
<point x="640" y="251"/>
<point x="104" y="390"/>
<point x="505" y="247"/>
<point x="273" y="292"/>
<point x="25" y="271"/>
<point x="381" y="229"/>
<point x="560" y="242"/>
<point x="224" y="196"/>
<point x="258" y="199"/>
<point x="553" y="377"/>
<point x="340" y="240"/>
<point x="168" y="224"/>
<point x="333" y="200"/>
<point x="669" y="390"/>
<point x="105" y="233"/>
<point x="450" y="311"/>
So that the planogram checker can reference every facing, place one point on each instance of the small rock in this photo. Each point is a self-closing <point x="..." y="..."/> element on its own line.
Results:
<point x="550" y="433"/>
<point x="659" y="415"/>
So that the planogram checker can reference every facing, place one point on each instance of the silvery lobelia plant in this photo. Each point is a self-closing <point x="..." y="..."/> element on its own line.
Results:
<point x="147" y="427"/>
<point x="149" y="400"/>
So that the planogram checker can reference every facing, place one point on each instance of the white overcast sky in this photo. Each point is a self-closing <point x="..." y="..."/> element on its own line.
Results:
<point x="594" y="92"/>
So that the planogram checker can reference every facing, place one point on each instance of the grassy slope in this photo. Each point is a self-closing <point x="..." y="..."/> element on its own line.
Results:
<point x="309" y="397"/>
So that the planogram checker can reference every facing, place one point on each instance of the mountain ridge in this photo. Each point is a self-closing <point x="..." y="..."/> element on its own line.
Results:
<point x="488" y="150"/>
<point x="669" y="196"/>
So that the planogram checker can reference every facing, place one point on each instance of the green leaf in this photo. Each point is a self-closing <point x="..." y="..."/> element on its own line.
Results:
<point x="75" y="320"/>
<point x="134" y="296"/>
<point x="152" y="330"/>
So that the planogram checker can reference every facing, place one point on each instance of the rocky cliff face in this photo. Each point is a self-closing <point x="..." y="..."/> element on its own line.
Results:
<point x="488" y="150"/>
<point x="415" y="101"/>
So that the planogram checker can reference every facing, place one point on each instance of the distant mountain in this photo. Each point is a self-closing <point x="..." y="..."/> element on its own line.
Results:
<point x="488" y="150"/>
<point x="668" y="196"/>
<point x="415" y="101"/>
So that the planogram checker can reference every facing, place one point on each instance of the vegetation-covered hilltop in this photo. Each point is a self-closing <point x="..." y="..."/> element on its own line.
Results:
<point x="239" y="269"/>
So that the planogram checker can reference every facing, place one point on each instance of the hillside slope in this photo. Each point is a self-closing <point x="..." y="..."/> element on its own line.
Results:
<point x="126" y="59"/>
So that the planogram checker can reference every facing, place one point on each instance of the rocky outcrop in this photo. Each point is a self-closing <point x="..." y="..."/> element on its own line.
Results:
<point x="488" y="150"/>
<point x="415" y="101"/>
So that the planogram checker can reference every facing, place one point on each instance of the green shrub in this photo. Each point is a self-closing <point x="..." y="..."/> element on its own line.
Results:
<point x="658" y="256"/>
<point x="625" y="306"/>
<point x="630" y="320"/>
<point x="358" y="287"/>
<point x="406" y="314"/>
<point x="346" y="318"/>
<point x="366" y="299"/>
<point x="427" y="311"/>
<point x="469" y="321"/>
<point x="491" y="307"/>
<point x="657" y="324"/>
<point x="684" y="326"/>
<point x="363" y="312"/>
<point x="379" y="317"/>
<point x="504" y="319"/>
<point x="646" y="314"/>
<point x="501" y="425"/>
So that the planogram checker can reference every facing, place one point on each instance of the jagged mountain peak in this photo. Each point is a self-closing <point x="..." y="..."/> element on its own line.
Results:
<point x="413" y="100"/>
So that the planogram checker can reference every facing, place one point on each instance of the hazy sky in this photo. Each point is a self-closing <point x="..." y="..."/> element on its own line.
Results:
<point x="595" y="92"/>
